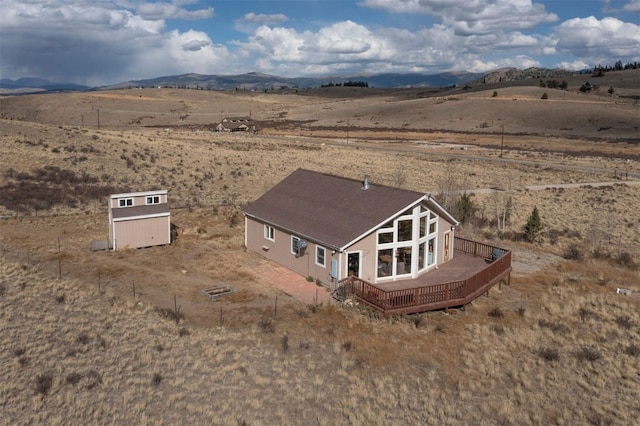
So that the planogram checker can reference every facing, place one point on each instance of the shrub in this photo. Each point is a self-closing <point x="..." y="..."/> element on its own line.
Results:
<point x="183" y="332"/>
<point x="157" y="379"/>
<point x="549" y="354"/>
<point x="310" y="279"/>
<point x="632" y="350"/>
<point x="625" y="259"/>
<point x="43" y="383"/>
<point x="94" y="378"/>
<point x="554" y="326"/>
<point x="574" y="252"/>
<point x="347" y="346"/>
<point x="496" y="313"/>
<point x="83" y="338"/>
<point x="73" y="378"/>
<point x="624" y="321"/>
<point x="544" y="96"/>
<point x="284" y="342"/>
<point x="522" y="310"/>
<point x="267" y="326"/>
<point x="588" y="354"/>
<point x="169" y="313"/>
<point x="495" y="94"/>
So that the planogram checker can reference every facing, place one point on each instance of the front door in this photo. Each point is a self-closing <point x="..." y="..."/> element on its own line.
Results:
<point x="353" y="264"/>
<point x="447" y="244"/>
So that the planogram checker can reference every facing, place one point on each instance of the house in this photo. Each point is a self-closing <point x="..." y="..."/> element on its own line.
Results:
<point x="139" y="219"/>
<point x="330" y="228"/>
<point x="236" y="124"/>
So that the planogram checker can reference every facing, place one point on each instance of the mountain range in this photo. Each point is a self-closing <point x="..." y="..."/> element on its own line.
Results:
<point x="259" y="81"/>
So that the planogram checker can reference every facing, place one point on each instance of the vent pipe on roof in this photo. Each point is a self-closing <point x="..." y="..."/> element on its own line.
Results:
<point x="365" y="183"/>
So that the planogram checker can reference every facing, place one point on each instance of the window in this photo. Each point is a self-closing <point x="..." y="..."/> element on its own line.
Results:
<point x="125" y="202"/>
<point x="432" y="227"/>
<point x="153" y="199"/>
<point x="405" y="230"/>
<point x="298" y="246"/>
<point x="320" y="256"/>
<point x="269" y="233"/>
<point x="385" y="237"/>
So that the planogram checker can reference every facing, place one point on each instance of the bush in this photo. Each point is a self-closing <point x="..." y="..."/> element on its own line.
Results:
<point x="624" y="321"/>
<point x="157" y="379"/>
<point x="267" y="326"/>
<point x="573" y="252"/>
<point x="284" y="342"/>
<point x="625" y="259"/>
<point x="44" y="383"/>
<point x="549" y="354"/>
<point x="632" y="350"/>
<point x="495" y="94"/>
<point x="588" y="354"/>
<point x="496" y="313"/>
<point x="73" y="378"/>
<point x="544" y="96"/>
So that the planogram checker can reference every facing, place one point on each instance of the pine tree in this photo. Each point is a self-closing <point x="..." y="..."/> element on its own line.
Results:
<point x="533" y="228"/>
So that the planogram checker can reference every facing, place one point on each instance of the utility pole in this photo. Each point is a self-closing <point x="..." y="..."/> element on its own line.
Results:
<point x="347" y="130"/>
<point x="98" y="119"/>
<point x="502" y="141"/>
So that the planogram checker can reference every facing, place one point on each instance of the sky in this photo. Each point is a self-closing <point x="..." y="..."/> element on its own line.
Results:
<point x="104" y="42"/>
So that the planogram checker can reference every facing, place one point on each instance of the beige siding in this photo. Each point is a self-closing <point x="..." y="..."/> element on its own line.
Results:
<point x="141" y="232"/>
<point x="368" y="254"/>
<point x="280" y="252"/>
<point x="138" y="201"/>
<point x="443" y="226"/>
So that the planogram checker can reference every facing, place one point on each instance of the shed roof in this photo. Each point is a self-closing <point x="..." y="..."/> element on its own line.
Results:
<point x="138" y="211"/>
<point x="332" y="210"/>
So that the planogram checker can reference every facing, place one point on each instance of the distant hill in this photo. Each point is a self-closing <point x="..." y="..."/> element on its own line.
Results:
<point x="259" y="81"/>
<point x="29" y="84"/>
<point x="504" y="75"/>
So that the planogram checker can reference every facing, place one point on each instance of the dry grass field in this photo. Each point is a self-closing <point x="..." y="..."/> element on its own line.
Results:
<point x="92" y="337"/>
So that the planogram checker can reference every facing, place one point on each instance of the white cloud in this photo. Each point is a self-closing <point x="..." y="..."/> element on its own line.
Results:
<point x="473" y="17"/>
<point x="598" y="40"/>
<point x="97" y="44"/>
<point x="573" y="66"/>
<point x="250" y="22"/>
<point x="277" y="18"/>
<point x="632" y="6"/>
<point x="157" y="11"/>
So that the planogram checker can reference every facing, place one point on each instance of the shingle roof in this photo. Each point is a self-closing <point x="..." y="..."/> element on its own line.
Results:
<point x="329" y="209"/>
<point x="122" y="212"/>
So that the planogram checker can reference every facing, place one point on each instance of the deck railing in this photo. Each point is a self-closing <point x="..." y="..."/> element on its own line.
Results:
<point x="435" y="296"/>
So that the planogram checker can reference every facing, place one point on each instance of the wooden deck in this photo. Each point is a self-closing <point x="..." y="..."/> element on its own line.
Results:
<point x="455" y="283"/>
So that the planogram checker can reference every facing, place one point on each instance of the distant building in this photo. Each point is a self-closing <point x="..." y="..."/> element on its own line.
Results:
<point x="139" y="219"/>
<point x="236" y="124"/>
